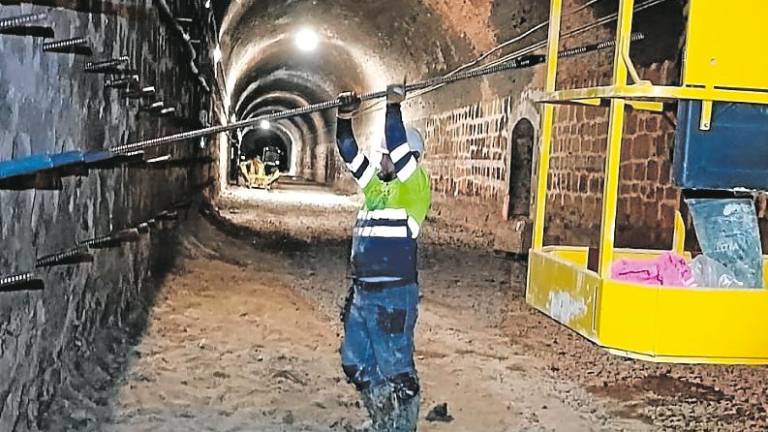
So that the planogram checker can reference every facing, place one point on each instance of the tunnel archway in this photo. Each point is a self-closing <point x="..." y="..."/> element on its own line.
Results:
<point x="360" y="46"/>
<point x="520" y="168"/>
<point x="271" y="75"/>
<point x="262" y="143"/>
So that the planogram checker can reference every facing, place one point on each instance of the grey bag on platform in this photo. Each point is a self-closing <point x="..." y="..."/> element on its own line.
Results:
<point x="728" y="232"/>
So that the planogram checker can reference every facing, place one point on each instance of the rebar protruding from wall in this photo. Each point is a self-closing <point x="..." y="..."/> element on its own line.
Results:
<point x="111" y="66"/>
<point x="159" y="159"/>
<point x="74" y="255"/>
<point x="21" y="20"/>
<point x="152" y="107"/>
<point x="125" y="83"/>
<point x="140" y="93"/>
<point x="112" y="240"/>
<point x="166" y="112"/>
<point x="168" y="215"/>
<point x="21" y="282"/>
<point x="78" y="45"/>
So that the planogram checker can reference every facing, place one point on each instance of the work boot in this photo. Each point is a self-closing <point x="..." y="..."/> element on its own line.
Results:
<point x="407" y="414"/>
<point x="380" y="403"/>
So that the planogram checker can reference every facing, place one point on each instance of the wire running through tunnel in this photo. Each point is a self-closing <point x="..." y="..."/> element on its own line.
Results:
<point x="521" y="62"/>
<point x="517" y="63"/>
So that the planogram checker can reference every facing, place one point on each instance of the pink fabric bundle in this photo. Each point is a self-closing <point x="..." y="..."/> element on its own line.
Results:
<point x="667" y="270"/>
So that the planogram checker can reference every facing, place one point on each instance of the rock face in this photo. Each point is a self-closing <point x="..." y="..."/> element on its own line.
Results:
<point x="58" y="346"/>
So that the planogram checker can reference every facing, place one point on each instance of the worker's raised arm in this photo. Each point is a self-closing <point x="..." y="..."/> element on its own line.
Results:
<point x="356" y="161"/>
<point x="396" y="136"/>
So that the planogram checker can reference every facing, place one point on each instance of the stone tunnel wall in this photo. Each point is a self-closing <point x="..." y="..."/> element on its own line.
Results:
<point x="57" y="346"/>
<point x="469" y="135"/>
<point x="647" y="199"/>
<point x="468" y="127"/>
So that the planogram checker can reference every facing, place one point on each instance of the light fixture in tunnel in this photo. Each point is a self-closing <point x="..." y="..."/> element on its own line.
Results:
<point x="264" y="124"/>
<point x="307" y="40"/>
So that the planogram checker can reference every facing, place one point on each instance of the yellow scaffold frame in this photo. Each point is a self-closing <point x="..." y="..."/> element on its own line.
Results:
<point x="665" y="324"/>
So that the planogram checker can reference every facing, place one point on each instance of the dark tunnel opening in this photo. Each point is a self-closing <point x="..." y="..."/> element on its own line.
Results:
<point x="268" y="145"/>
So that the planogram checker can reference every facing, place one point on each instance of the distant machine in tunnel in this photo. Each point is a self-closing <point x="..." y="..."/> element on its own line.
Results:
<point x="270" y="145"/>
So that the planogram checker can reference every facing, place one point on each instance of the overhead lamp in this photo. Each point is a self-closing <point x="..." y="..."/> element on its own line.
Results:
<point x="264" y="124"/>
<point x="307" y="40"/>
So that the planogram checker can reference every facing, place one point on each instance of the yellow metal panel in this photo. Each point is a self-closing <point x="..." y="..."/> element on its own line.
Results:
<point x="678" y="240"/>
<point x="765" y="271"/>
<point x="578" y="255"/>
<point x="615" y="133"/>
<point x="665" y="324"/>
<point x="564" y="292"/>
<point x="648" y="92"/>
<point x="628" y="316"/>
<point x="726" y="44"/>
<point x="688" y="360"/>
<point x="646" y="106"/>
<point x="644" y="254"/>
<point x="547" y="118"/>
<point x="713" y="323"/>
<point x="637" y="105"/>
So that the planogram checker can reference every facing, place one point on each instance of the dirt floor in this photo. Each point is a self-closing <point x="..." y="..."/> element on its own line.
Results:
<point x="245" y="332"/>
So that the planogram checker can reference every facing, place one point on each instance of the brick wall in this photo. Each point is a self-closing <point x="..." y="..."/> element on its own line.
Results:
<point x="467" y="150"/>
<point x="647" y="200"/>
<point x="470" y="146"/>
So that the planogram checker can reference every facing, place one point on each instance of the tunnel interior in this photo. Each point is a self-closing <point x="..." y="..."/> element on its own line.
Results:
<point x="140" y="290"/>
<point x="282" y="55"/>
<point x="269" y="145"/>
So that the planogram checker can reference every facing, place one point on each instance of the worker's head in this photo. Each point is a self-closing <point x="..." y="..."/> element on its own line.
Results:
<point x="381" y="155"/>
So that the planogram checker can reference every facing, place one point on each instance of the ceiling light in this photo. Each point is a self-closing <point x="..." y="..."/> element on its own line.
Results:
<point x="264" y="124"/>
<point x="307" y="40"/>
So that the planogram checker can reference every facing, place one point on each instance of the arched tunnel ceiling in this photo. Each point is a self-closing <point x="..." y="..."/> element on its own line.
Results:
<point x="364" y="44"/>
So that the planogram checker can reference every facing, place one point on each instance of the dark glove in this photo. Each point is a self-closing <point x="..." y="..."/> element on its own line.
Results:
<point x="350" y="104"/>
<point x="395" y="93"/>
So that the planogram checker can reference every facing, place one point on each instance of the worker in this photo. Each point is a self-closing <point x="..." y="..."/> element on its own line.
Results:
<point x="381" y="309"/>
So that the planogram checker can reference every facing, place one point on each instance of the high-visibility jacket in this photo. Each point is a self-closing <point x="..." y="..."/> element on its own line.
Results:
<point x="384" y="246"/>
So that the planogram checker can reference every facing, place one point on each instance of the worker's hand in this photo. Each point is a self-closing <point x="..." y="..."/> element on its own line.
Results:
<point x="395" y="93"/>
<point x="350" y="105"/>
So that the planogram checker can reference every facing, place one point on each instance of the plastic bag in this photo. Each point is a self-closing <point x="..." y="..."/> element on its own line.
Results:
<point x="708" y="273"/>
<point x="728" y="233"/>
<point x="667" y="270"/>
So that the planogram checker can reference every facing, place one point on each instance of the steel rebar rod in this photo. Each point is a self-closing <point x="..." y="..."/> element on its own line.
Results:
<point x="65" y="43"/>
<point x="77" y="253"/>
<point x="518" y="63"/>
<point x="596" y="47"/>
<point x="13" y="282"/>
<point x="21" y="20"/>
<point x="106" y="64"/>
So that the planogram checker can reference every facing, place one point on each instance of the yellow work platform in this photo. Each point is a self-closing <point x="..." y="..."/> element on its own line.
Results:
<point x="665" y="324"/>
<point x="724" y="62"/>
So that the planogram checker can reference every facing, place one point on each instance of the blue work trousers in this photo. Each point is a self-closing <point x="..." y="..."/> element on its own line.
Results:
<point x="378" y="336"/>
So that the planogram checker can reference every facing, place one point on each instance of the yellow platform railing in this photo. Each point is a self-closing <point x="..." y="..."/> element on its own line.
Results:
<point x="671" y="324"/>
